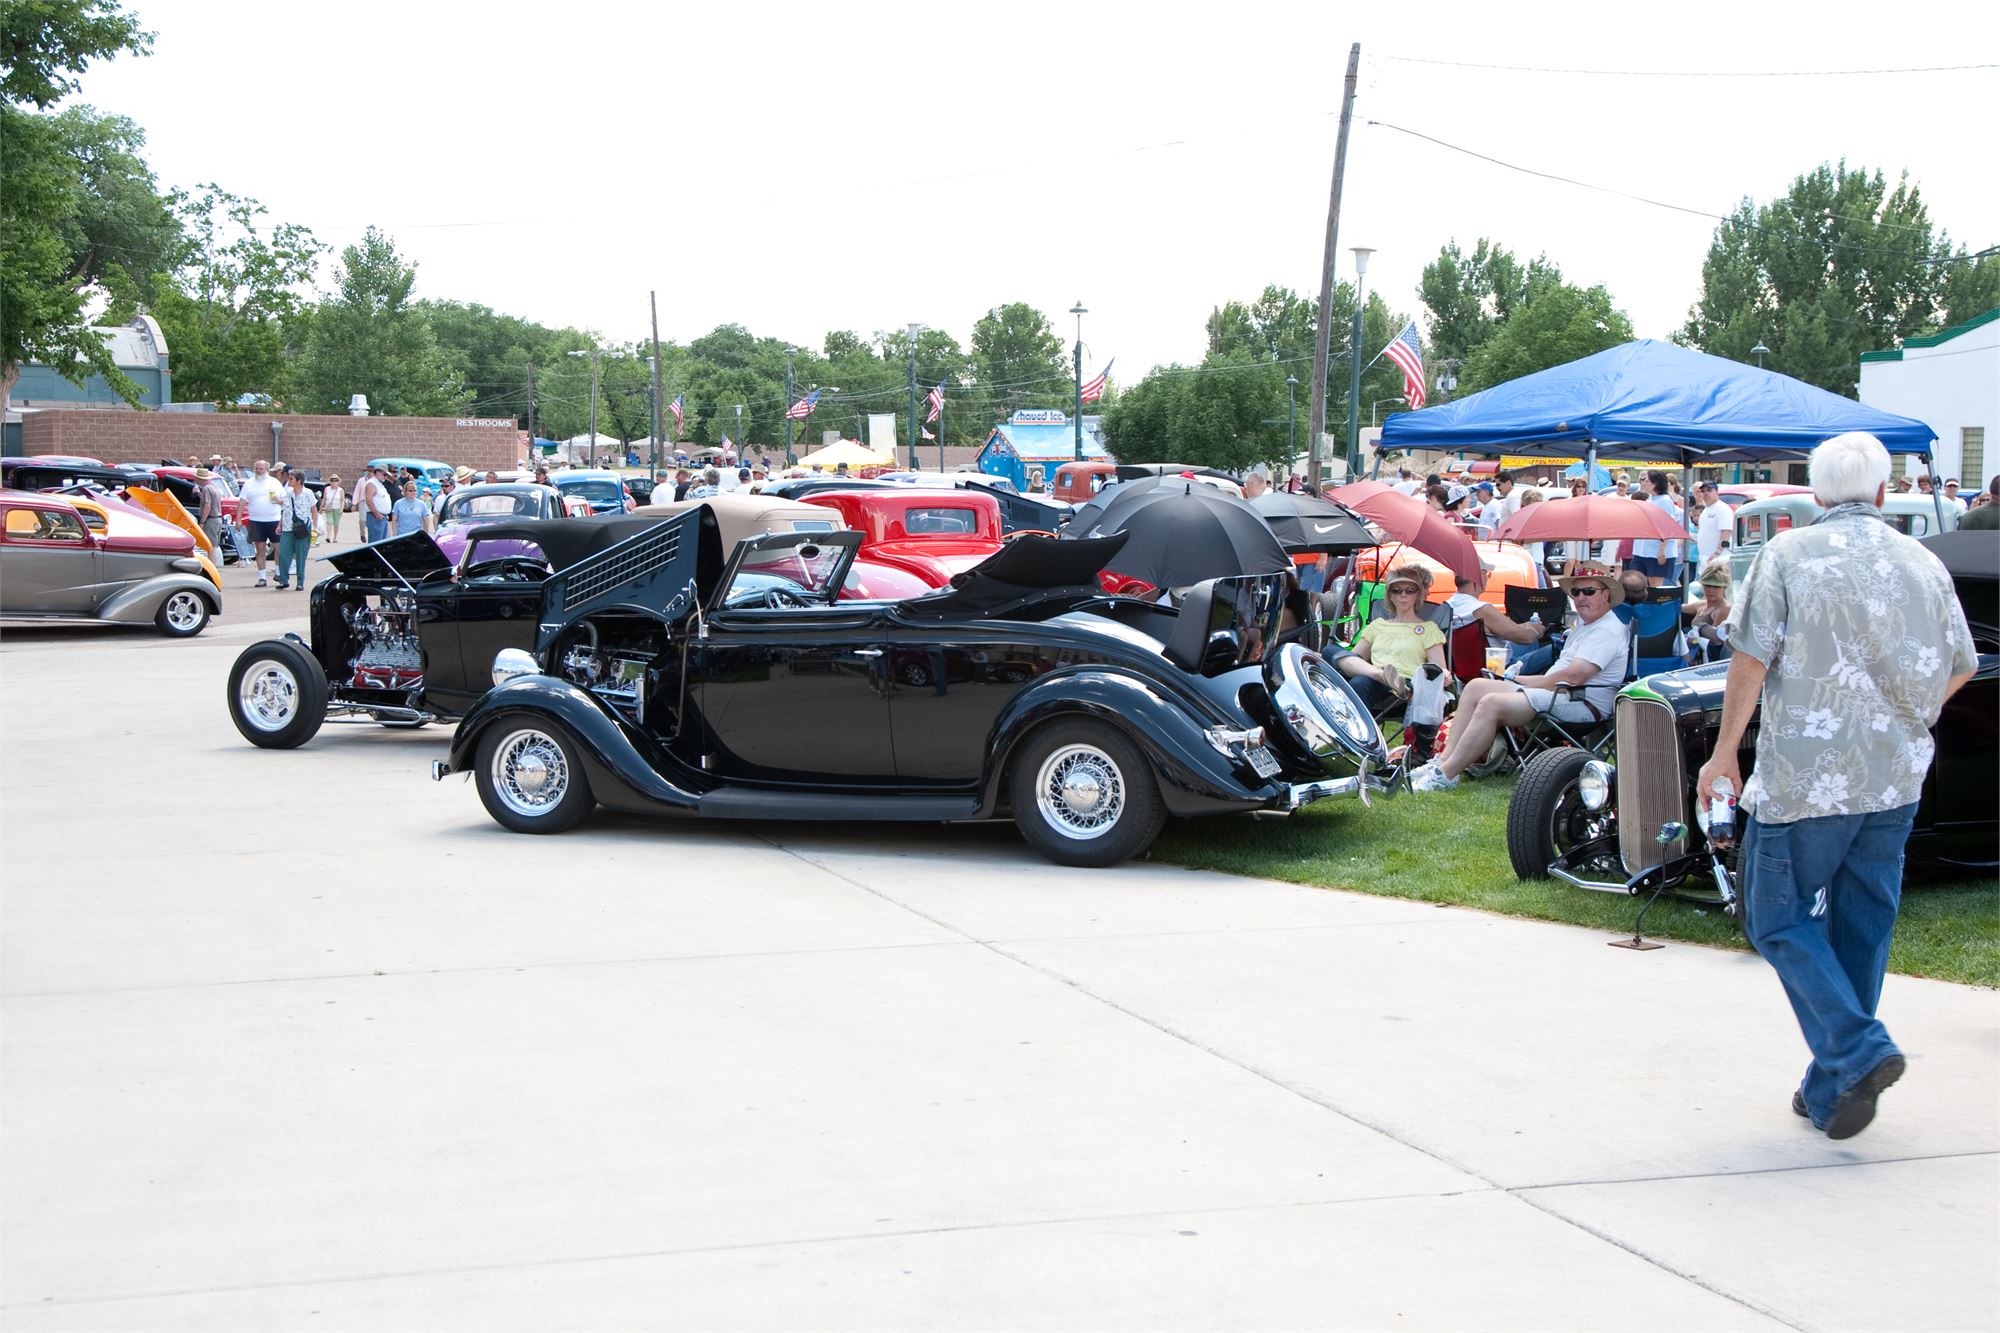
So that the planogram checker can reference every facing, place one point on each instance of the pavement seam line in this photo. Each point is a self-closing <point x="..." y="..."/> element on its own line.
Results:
<point x="1280" y="1083"/>
<point x="1969" y="1154"/>
<point x="672" y="1252"/>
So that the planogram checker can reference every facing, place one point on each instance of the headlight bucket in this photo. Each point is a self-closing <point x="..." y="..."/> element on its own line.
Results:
<point x="1593" y="785"/>
<point x="512" y="662"/>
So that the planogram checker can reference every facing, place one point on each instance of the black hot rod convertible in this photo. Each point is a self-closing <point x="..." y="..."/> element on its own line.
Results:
<point x="665" y="680"/>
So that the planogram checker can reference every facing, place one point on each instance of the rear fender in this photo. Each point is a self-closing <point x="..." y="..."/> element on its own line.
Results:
<point x="626" y="768"/>
<point x="138" y="604"/>
<point x="1195" y="778"/>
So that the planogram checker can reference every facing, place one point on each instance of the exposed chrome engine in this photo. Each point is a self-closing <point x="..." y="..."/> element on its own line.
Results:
<point x="389" y="656"/>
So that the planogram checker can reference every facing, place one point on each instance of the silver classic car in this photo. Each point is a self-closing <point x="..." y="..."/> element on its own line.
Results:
<point x="136" y="570"/>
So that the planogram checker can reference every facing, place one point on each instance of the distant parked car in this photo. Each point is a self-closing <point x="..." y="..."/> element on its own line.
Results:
<point x="603" y="488"/>
<point x="430" y="472"/>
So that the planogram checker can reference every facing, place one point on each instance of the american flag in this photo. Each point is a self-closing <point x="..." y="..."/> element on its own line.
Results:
<point x="936" y="401"/>
<point x="679" y="408"/>
<point x="1094" y="389"/>
<point x="803" y="408"/>
<point x="1406" y="352"/>
<point x="926" y="434"/>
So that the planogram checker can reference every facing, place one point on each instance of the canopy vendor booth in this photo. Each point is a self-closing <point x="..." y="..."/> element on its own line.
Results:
<point x="1037" y="441"/>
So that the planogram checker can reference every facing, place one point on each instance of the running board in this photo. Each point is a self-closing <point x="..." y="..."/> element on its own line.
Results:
<point x="741" y="803"/>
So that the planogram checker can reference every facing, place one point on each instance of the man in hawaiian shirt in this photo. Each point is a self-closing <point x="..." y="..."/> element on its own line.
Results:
<point x="1850" y="634"/>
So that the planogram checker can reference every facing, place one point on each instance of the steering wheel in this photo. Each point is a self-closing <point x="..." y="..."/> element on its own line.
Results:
<point x="510" y="569"/>
<point x="778" y="598"/>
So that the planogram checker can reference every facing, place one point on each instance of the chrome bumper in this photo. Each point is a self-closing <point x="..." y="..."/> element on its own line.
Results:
<point x="1363" y="784"/>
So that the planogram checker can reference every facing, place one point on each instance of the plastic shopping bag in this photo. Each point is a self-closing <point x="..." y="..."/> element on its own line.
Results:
<point x="1427" y="696"/>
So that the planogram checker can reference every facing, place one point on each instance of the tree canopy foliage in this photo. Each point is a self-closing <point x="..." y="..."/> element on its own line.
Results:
<point x="370" y="338"/>
<point x="1840" y="264"/>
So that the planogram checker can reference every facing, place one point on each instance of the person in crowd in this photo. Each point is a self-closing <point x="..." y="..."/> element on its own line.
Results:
<point x="1985" y="512"/>
<point x="263" y="498"/>
<point x="683" y="483"/>
<point x="332" y="501"/>
<point x="542" y="475"/>
<point x="1437" y="496"/>
<point x="209" y="509"/>
<point x="1393" y="647"/>
<point x="1655" y="559"/>
<point x="295" y="530"/>
<point x="1507" y="490"/>
<point x="491" y="476"/>
<point x="1254" y="484"/>
<point x="1715" y="528"/>
<point x="1485" y="509"/>
<point x="1901" y="486"/>
<point x="663" y="490"/>
<point x="1406" y="482"/>
<point x="446" y="489"/>
<point x="1850" y="632"/>
<point x="709" y="486"/>
<point x="743" y="480"/>
<point x="1707" y="611"/>
<point x="226" y="469"/>
<point x="1529" y="496"/>
<point x="410" y="513"/>
<point x="1468" y="607"/>
<point x="373" y="501"/>
<point x="1951" y="494"/>
<point x="1591" y="664"/>
<point x="1459" y="507"/>
<point x="1924" y="483"/>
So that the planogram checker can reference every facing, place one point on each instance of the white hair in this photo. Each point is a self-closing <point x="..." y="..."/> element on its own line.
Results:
<point x="1849" y="468"/>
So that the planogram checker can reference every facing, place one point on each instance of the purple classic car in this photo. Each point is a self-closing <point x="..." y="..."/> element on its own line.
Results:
<point x="471" y="506"/>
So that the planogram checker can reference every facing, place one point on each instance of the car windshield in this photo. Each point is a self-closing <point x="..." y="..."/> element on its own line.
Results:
<point x="806" y="571"/>
<point x="469" y="507"/>
<point x="599" y="489"/>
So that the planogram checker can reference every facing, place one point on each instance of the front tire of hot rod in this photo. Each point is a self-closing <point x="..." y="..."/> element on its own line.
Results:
<point x="277" y="694"/>
<point x="1545" y="816"/>
<point x="531" y="777"/>
<point x="1084" y="795"/>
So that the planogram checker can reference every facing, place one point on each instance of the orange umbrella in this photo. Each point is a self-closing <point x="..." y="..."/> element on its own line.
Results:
<point x="1411" y="521"/>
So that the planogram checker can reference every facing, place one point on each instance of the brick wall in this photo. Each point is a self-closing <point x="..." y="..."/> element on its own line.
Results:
<point x="331" y="444"/>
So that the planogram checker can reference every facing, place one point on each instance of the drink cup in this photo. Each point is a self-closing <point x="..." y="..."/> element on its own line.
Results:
<point x="1496" y="660"/>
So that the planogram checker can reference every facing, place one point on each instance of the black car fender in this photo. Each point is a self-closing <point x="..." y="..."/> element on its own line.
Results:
<point x="626" y="769"/>
<point x="1195" y="778"/>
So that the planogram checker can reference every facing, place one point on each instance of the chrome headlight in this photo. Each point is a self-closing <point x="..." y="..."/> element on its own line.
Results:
<point x="1593" y="785"/>
<point x="1319" y="710"/>
<point x="512" y="662"/>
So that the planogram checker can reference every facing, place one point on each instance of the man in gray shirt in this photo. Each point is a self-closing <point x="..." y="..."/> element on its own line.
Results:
<point x="1850" y="636"/>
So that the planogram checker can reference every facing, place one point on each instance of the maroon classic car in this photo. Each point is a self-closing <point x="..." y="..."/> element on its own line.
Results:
<point x="931" y="534"/>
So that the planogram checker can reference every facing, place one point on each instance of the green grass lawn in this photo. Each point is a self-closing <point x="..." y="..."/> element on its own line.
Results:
<point x="1451" y="847"/>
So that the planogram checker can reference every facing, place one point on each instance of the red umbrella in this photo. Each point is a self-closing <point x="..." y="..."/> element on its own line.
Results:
<point x="1590" y="518"/>
<point x="1413" y="522"/>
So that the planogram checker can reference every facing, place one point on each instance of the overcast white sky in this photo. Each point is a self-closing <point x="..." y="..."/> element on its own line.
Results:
<point x="804" y="167"/>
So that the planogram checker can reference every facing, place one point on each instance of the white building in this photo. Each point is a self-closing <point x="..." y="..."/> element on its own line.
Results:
<point x="1951" y="382"/>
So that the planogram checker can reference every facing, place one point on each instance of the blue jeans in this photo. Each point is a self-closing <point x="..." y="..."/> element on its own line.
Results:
<point x="373" y="528"/>
<point x="1821" y="897"/>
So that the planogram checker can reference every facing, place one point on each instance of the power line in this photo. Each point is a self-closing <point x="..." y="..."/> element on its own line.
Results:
<point x="1697" y="73"/>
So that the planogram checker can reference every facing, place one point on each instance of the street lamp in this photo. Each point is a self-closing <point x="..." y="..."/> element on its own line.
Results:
<point x="1760" y="352"/>
<point x="1372" y="419"/>
<point x="1361" y="256"/>
<point x="1077" y="360"/>
<point x="1291" y="421"/>
<point x="593" y="354"/>
<point x="740" y="452"/>
<point x="791" y="458"/>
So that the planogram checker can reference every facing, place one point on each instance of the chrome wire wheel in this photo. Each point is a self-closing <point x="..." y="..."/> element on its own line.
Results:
<point x="268" y="696"/>
<point x="530" y="773"/>
<point x="1080" y="792"/>
<point x="184" y="612"/>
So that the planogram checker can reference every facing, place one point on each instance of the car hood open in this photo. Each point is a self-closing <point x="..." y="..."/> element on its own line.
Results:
<point x="412" y="557"/>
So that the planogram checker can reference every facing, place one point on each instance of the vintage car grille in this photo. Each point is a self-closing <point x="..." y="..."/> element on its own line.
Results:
<point x="1651" y="787"/>
<point x="619" y="565"/>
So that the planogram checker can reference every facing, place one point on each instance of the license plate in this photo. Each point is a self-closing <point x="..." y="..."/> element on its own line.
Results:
<point x="1263" y="761"/>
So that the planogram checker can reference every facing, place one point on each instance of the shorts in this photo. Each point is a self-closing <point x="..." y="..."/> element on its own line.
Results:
<point x="1651" y="566"/>
<point x="1566" y="709"/>
<point x="261" y="531"/>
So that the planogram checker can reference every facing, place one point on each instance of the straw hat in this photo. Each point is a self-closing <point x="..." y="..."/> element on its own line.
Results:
<point x="1416" y="576"/>
<point x="203" y="474"/>
<point x="1595" y="571"/>
<point x="463" y="475"/>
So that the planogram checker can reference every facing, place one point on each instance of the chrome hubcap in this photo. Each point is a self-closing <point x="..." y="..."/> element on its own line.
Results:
<point x="183" y="610"/>
<point x="530" y="774"/>
<point x="269" y="695"/>
<point x="1080" y="792"/>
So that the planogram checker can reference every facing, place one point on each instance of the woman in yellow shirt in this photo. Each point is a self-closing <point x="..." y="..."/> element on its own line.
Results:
<point x="1394" y="647"/>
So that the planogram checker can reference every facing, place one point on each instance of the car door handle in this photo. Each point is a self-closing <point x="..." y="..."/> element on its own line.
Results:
<point x="865" y="652"/>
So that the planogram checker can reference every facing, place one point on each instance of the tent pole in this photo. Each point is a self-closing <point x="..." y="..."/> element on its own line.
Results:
<point x="1688" y="556"/>
<point x="1937" y="490"/>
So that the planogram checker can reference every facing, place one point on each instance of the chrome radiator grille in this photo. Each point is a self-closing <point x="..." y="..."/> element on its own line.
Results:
<point x="1651" y="787"/>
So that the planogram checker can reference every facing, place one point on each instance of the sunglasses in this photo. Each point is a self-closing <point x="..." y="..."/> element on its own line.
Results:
<point x="1592" y="590"/>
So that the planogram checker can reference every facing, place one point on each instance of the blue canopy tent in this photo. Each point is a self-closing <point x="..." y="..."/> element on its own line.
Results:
<point x="1651" y="400"/>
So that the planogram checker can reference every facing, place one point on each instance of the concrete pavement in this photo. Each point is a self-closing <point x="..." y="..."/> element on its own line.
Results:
<point x="298" y="1040"/>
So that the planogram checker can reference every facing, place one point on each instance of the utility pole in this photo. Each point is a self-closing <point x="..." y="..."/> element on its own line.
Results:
<point x="531" y="409"/>
<point x="1322" y="335"/>
<point x="655" y="298"/>
<point x="1291" y="421"/>
<point x="791" y="459"/>
<point x="914" y="464"/>
<point x="1076" y="362"/>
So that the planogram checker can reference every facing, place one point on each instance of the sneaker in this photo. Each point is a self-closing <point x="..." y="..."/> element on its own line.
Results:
<point x="1855" y="1108"/>
<point x="1429" y="778"/>
<point x="261" y="580"/>
<point x="284" y="587"/>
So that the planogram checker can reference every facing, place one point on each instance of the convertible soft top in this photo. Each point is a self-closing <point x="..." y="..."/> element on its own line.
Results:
<point x="570" y="541"/>
<point x="1972" y="558"/>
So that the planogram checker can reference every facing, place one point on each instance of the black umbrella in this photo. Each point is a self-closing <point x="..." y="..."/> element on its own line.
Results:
<point x="1090" y="516"/>
<point x="1184" y="533"/>
<point x="1307" y="523"/>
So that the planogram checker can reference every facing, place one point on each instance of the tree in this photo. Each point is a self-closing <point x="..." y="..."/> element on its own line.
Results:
<point x="1557" y="324"/>
<point x="78" y="208"/>
<point x="1839" y="265"/>
<point x="1214" y="415"/>
<point x="1017" y="361"/>
<point x="225" y="308"/>
<point x="369" y="338"/>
